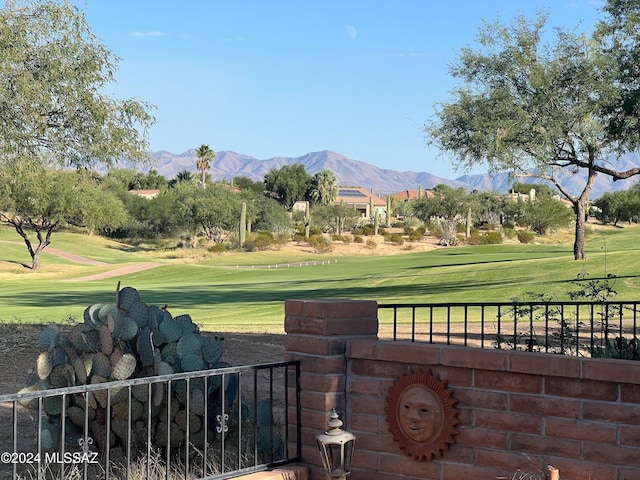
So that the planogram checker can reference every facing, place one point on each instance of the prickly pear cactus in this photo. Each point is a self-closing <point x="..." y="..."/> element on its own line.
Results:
<point x="123" y="340"/>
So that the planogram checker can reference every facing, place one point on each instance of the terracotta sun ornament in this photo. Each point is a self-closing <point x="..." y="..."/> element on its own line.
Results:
<point x="422" y="415"/>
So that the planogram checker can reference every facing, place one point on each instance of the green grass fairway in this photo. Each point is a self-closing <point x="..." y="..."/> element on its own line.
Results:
<point x="245" y="292"/>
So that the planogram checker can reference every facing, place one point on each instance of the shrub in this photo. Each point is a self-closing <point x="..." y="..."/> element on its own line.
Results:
<point x="315" y="230"/>
<point x="320" y="243"/>
<point x="260" y="241"/>
<point x="415" y="236"/>
<point x="371" y="244"/>
<point x="508" y="232"/>
<point x="396" y="239"/>
<point x="217" y="248"/>
<point x="493" y="238"/>
<point x="358" y="239"/>
<point x="525" y="236"/>
<point x="436" y="230"/>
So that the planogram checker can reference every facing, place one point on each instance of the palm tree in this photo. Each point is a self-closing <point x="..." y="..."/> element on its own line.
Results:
<point x="205" y="155"/>
<point x="324" y="188"/>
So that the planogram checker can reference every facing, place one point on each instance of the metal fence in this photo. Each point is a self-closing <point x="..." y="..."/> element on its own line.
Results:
<point x="596" y="329"/>
<point x="210" y="424"/>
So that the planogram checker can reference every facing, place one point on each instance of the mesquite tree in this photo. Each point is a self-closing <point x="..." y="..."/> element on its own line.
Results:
<point x="537" y="109"/>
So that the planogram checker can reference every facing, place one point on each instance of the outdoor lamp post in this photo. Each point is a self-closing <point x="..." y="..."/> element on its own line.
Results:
<point x="336" y="449"/>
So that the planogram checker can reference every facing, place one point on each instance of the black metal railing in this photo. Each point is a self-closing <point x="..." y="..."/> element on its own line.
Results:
<point x="595" y="329"/>
<point x="213" y="424"/>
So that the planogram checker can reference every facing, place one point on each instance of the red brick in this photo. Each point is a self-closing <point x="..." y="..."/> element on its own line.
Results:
<point x="578" y="469"/>
<point x="332" y="364"/>
<point x="544" y="364"/>
<point x="331" y="327"/>
<point x="314" y="346"/>
<point x="459" y="472"/>
<point x="365" y="349"/>
<point x="508" y="461"/>
<point x="361" y="422"/>
<point x="364" y="386"/>
<point x="623" y="413"/>
<point x="611" y="454"/>
<point x="374" y="442"/>
<point x="324" y="383"/>
<point x="410" y="352"/>
<point x="630" y="393"/>
<point x="621" y="371"/>
<point x="321" y="402"/>
<point x="629" y="436"/>
<point x="475" y="397"/>
<point x="482" y="437"/>
<point x="370" y="475"/>
<point x="577" y="388"/>
<point x="577" y="429"/>
<point x="314" y="419"/>
<point x="505" y="381"/>
<point x="508" y="421"/>
<point x="455" y="377"/>
<point x="377" y="369"/>
<point x="294" y="308"/>
<point x="457" y="453"/>
<point x="366" y="404"/>
<point x="540" y="444"/>
<point x="545" y="406"/>
<point x="625" y="474"/>
<point x="409" y="467"/>
<point x="364" y="460"/>
<point x="475" y="358"/>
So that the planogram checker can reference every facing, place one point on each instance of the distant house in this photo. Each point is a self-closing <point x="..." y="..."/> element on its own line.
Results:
<point x="300" y="206"/>
<point x="406" y="195"/>
<point x="149" y="194"/>
<point x="361" y="199"/>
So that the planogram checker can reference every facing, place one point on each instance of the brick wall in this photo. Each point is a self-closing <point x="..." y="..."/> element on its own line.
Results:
<point x="517" y="410"/>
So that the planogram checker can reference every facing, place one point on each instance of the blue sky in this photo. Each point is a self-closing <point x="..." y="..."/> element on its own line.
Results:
<point x="271" y="78"/>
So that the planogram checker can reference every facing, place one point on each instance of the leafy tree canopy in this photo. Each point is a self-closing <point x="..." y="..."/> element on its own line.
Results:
<point x="288" y="184"/>
<point x="537" y="109"/>
<point x="52" y="76"/>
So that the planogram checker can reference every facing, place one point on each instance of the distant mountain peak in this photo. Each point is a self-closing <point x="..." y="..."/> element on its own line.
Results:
<point x="228" y="164"/>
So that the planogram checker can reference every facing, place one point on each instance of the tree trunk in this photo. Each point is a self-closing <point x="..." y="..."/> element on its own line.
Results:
<point x="578" y="243"/>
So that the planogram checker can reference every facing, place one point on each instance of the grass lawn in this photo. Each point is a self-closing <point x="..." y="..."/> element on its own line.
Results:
<point x="239" y="292"/>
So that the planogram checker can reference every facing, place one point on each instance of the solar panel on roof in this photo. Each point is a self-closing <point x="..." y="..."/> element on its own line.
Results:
<point x="346" y="192"/>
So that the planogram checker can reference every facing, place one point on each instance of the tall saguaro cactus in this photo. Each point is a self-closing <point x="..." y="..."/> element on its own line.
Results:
<point x="243" y="225"/>
<point x="307" y="221"/>
<point x="388" y="210"/>
<point x="371" y="205"/>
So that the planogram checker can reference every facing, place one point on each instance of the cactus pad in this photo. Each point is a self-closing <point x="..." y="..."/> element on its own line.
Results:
<point x="127" y="296"/>
<point x="49" y="337"/>
<point x="124" y="340"/>
<point x="124" y="368"/>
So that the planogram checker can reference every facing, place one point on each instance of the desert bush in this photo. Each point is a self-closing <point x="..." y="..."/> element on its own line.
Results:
<point x="525" y="236"/>
<point x="217" y="248"/>
<point x="320" y="244"/>
<point x="415" y="236"/>
<point x="358" y="239"/>
<point x="508" y="232"/>
<point x="260" y="241"/>
<point x="396" y="239"/>
<point x="493" y="238"/>
<point x="371" y="244"/>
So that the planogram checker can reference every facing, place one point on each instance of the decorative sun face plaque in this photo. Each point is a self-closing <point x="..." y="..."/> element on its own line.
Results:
<point x="422" y="415"/>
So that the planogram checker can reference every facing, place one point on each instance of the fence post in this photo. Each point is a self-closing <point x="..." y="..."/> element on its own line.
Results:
<point x="318" y="332"/>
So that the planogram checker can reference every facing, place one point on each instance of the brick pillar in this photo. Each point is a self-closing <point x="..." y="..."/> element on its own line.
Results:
<point x="318" y="332"/>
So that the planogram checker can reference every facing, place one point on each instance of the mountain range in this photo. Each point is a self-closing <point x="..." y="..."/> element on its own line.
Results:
<point x="356" y="173"/>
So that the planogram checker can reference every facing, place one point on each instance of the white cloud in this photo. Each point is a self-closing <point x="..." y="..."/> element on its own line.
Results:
<point x="351" y="32"/>
<point x="149" y="34"/>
